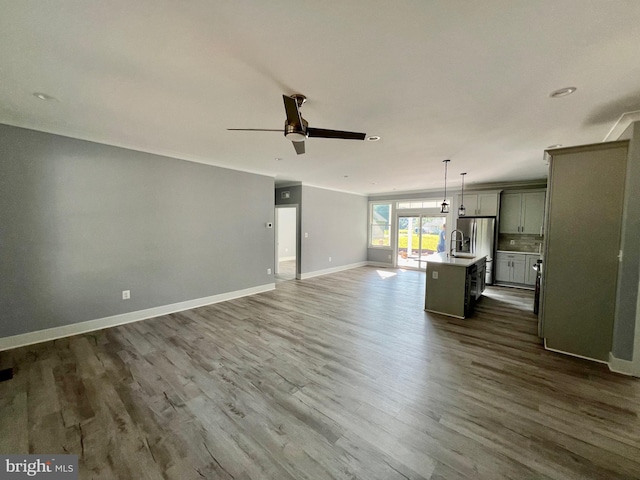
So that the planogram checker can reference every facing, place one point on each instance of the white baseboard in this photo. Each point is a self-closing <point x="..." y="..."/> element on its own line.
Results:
<point x="625" y="367"/>
<point x="30" y="338"/>
<point x="286" y="259"/>
<point x="327" y="271"/>
<point x="380" y="264"/>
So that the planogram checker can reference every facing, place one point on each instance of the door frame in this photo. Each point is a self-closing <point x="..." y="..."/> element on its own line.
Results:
<point x="298" y="245"/>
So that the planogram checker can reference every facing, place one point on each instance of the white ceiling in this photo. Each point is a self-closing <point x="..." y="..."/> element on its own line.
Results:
<point x="466" y="80"/>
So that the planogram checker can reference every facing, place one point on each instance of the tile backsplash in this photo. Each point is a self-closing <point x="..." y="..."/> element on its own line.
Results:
<point x="521" y="242"/>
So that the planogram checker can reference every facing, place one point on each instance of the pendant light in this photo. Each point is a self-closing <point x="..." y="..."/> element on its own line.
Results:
<point x="445" y="205"/>
<point x="462" y="211"/>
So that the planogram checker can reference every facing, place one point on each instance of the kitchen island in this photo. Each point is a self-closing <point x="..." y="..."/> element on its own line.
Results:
<point x="454" y="284"/>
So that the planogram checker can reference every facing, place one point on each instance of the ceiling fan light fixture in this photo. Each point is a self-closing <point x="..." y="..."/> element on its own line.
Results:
<point x="296" y="136"/>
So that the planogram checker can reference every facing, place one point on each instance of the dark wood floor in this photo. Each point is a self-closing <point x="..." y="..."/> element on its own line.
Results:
<point x="341" y="376"/>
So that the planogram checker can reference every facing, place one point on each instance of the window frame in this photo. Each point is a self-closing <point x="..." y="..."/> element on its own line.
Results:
<point x="390" y="204"/>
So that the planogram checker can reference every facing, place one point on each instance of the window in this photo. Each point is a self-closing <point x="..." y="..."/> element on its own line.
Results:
<point x="420" y="204"/>
<point x="380" y="224"/>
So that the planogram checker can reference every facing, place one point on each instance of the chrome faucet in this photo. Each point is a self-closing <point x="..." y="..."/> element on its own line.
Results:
<point x="454" y="238"/>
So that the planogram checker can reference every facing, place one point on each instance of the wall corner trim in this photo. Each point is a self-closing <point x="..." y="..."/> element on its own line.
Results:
<point x="624" y="367"/>
<point x="48" y="334"/>
<point x="327" y="271"/>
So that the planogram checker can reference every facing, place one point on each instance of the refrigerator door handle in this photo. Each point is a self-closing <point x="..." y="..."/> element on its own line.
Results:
<point x="474" y="230"/>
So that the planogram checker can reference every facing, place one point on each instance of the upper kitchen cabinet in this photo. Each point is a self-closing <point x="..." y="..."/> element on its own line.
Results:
<point x="480" y="204"/>
<point x="522" y="212"/>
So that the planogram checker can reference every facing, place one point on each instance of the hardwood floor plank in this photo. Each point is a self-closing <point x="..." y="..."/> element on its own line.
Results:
<point x="341" y="376"/>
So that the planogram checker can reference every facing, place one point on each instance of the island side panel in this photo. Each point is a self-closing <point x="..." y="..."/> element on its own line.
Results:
<point x="446" y="294"/>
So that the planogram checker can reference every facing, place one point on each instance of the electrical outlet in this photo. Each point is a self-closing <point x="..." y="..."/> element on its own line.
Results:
<point x="126" y="294"/>
<point x="512" y="242"/>
<point x="329" y="258"/>
<point x="434" y="275"/>
<point x="306" y="235"/>
<point x="268" y="271"/>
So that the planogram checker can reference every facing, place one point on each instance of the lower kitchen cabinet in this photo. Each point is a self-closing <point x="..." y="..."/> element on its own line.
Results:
<point x="530" y="273"/>
<point x="516" y="268"/>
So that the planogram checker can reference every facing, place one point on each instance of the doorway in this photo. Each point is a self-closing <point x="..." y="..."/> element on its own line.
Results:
<point x="418" y="236"/>
<point x="286" y="263"/>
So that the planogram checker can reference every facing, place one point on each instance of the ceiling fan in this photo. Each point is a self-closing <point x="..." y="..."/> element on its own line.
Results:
<point x="297" y="129"/>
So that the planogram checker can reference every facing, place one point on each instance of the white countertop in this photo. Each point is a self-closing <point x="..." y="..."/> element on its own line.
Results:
<point x="521" y="253"/>
<point x="444" y="259"/>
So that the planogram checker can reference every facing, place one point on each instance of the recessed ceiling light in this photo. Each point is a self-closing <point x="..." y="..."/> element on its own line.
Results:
<point x="563" y="92"/>
<point x="373" y="138"/>
<point x="277" y="159"/>
<point x="43" y="96"/>
<point x="557" y="145"/>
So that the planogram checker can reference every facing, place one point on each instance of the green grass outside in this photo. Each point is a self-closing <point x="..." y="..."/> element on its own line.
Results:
<point x="429" y="241"/>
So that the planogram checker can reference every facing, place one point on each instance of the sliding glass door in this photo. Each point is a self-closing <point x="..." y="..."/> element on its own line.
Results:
<point x="417" y="237"/>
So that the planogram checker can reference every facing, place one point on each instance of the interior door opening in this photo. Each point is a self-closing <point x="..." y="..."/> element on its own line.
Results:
<point x="418" y="236"/>
<point x="286" y="263"/>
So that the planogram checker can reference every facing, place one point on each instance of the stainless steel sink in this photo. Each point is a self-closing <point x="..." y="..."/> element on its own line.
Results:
<point x="463" y="255"/>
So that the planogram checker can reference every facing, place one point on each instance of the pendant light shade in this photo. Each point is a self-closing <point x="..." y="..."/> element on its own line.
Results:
<point x="461" y="210"/>
<point x="445" y="205"/>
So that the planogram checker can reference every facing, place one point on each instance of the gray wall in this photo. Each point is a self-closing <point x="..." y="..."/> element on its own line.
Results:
<point x="295" y="195"/>
<point x="81" y="221"/>
<point x="337" y="226"/>
<point x="628" y="274"/>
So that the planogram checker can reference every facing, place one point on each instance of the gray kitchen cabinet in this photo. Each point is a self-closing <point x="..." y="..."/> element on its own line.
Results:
<point x="453" y="284"/>
<point x="582" y="244"/>
<point x="530" y="273"/>
<point x="503" y="268"/>
<point x="480" y="204"/>
<point x="511" y="267"/>
<point x="522" y="212"/>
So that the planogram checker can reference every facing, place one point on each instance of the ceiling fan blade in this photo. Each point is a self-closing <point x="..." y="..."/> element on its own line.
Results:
<point x="291" y="107"/>
<point x="257" y="129"/>
<point x="324" y="133"/>
<point x="299" y="146"/>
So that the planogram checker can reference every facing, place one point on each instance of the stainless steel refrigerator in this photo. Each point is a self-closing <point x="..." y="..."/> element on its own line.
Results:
<point x="480" y="236"/>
